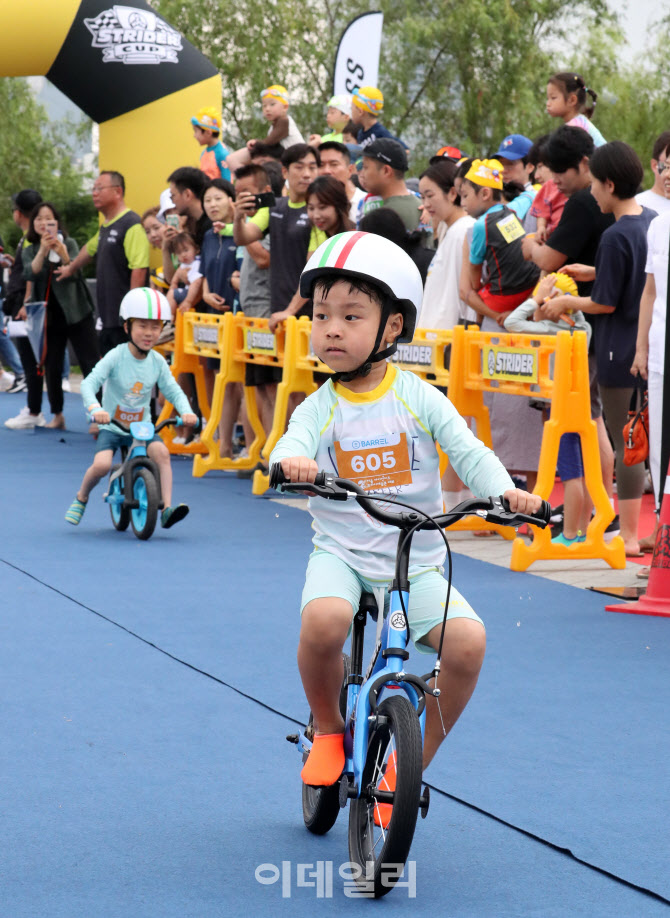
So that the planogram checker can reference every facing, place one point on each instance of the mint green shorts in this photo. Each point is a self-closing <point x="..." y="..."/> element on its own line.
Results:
<point x="327" y="575"/>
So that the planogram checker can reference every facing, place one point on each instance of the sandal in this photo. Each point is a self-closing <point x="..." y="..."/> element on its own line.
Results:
<point x="75" y="512"/>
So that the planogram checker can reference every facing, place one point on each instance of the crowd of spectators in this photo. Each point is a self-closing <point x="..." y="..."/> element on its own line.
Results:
<point x="235" y="232"/>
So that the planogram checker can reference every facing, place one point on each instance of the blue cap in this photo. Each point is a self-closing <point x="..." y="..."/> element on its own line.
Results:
<point x="514" y="146"/>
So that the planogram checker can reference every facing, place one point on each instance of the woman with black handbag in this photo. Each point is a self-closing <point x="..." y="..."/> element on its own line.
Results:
<point x="69" y="310"/>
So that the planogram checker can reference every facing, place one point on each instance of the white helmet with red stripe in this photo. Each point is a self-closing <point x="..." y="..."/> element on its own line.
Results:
<point x="375" y="260"/>
<point x="145" y="303"/>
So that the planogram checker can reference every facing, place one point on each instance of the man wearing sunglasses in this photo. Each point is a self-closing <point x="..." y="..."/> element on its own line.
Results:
<point x="121" y="250"/>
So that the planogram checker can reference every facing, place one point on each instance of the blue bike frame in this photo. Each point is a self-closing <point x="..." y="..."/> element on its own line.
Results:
<point x="142" y="433"/>
<point x="389" y="669"/>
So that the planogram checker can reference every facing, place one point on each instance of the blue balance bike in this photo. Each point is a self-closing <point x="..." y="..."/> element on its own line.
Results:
<point x="134" y="493"/>
<point x="384" y="707"/>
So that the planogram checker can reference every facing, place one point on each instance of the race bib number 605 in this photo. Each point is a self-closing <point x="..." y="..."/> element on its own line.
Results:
<point x="375" y="462"/>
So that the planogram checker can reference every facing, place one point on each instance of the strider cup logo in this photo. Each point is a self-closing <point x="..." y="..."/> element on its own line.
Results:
<point x="131" y="36"/>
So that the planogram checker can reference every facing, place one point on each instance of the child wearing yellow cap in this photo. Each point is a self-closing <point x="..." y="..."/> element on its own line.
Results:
<point x="283" y="132"/>
<point x="367" y="104"/>
<point x="496" y="242"/>
<point x="207" y="131"/>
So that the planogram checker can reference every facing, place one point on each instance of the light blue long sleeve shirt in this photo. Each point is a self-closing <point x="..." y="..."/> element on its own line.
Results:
<point x="385" y="440"/>
<point x="127" y="383"/>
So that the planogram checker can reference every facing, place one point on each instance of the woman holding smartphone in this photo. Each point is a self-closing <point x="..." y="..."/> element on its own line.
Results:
<point x="69" y="314"/>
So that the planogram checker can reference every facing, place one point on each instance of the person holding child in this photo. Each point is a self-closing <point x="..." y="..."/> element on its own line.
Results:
<point x="549" y="202"/>
<point x="367" y="297"/>
<point x="181" y="293"/>
<point x="614" y="304"/>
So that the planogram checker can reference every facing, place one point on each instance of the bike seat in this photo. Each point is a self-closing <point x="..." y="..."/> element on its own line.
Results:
<point x="368" y="604"/>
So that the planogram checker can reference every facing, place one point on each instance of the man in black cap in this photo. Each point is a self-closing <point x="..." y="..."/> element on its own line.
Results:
<point x="382" y="176"/>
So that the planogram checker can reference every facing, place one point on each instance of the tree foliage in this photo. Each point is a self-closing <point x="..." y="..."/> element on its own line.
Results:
<point x="37" y="154"/>
<point x="452" y="71"/>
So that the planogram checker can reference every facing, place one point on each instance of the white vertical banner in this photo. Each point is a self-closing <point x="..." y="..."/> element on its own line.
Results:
<point x="357" y="57"/>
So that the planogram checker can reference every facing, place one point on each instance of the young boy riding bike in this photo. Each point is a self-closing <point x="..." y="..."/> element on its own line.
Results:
<point x="371" y="415"/>
<point x="128" y="373"/>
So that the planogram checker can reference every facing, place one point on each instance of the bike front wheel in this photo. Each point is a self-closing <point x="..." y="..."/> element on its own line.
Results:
<point x="146" y="493"/>
<point x="381" y="851"/>
<point x="321" y="805"/>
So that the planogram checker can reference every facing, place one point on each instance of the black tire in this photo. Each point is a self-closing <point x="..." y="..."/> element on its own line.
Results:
<point x="377" y="851"/>
<point x="321" y="805"/>
<point x="146" y="491"/>
<point x="120" y="514"/>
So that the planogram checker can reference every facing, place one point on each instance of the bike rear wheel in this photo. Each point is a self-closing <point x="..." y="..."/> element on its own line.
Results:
<point x="146" y="493"/>
<point x="119" y="513"/>
<point x="321" y="805"/>
<point x="381" y="852"/>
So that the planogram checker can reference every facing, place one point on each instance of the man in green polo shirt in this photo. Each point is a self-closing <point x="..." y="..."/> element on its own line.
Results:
<point x="121" y="250"/>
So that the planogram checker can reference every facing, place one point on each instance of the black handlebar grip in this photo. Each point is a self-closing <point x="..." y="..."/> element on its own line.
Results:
<point x="544" y="513"/>
<point x="277" y="476"/>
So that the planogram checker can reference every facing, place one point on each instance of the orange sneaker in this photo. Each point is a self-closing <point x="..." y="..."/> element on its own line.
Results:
<point x="383" y="811"/>
<point x="325" y="761"/>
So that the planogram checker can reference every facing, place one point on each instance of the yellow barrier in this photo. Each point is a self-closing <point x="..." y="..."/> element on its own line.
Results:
<point x="522" y="365"/>
<point x="184" y="362"/>
<point x="425" y="356"/>
<point x="243" y="340"/>
<point x="299" y="366"/>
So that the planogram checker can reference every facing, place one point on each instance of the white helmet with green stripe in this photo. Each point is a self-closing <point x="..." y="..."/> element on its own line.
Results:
<point x="145" y="303"/>
<point x="375" y="260"/>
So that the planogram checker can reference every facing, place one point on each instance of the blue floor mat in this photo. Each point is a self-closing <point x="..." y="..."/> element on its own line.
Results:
<point x="127" y="792"/>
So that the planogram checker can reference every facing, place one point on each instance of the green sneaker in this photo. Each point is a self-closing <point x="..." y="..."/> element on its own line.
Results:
<point x="172" y="515"/>
<point x="561" y="540"/>
<point x="76" y="511"/>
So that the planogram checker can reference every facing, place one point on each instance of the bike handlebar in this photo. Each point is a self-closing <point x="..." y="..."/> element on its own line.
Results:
<point x="168" y="422"/>
<point x="493" y="509"/>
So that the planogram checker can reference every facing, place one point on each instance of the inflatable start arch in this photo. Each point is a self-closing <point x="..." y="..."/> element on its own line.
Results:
<point x="127" y="69"/>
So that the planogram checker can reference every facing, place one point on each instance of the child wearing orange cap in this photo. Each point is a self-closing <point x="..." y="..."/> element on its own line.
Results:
<point x="207" y="131"/>
<point x="283" y="132"/>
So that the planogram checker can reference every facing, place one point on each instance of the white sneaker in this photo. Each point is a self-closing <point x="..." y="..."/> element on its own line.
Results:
<point x="179" y="441"/>
<point x="6" y="381"/>
<point x="65" y="385"/>
<point x="24" y="420"/>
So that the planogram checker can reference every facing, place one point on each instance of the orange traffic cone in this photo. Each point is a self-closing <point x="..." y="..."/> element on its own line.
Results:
<point x="656" y="601"/>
